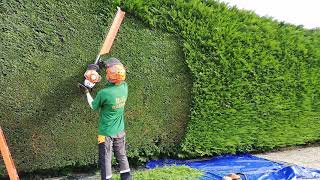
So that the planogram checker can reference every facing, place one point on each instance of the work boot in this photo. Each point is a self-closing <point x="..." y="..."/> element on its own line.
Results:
<point x="125" y="176"/>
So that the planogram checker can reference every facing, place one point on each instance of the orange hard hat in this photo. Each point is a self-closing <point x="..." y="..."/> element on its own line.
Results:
<point x="115" y="71"/>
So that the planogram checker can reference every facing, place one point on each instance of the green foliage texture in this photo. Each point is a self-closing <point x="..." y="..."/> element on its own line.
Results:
<point x="256" y="81"/>
<point x="45" y="49"/>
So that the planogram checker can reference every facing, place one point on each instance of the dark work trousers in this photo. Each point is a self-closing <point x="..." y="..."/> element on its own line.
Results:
<point x="117" y="145"/>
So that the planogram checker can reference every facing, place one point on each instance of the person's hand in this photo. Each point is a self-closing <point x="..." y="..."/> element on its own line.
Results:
<point x="83" y="87"/>
<point x="101" y="64"/>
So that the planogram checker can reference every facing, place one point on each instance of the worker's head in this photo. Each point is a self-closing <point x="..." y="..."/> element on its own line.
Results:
<point x="115" y="71"/>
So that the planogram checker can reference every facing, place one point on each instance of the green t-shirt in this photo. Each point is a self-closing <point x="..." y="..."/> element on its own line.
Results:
<point x="111" y="101"/>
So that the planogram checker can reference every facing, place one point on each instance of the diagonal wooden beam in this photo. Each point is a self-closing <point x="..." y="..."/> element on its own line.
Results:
<point x="7" y="157"/>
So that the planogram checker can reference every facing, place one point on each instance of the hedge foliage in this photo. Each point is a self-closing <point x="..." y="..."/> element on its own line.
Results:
<point x="256" y="80"/>
<point x="45" y="48"/>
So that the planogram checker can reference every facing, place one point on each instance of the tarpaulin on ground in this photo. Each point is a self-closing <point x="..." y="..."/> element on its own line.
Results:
<point x="254" y="168"/>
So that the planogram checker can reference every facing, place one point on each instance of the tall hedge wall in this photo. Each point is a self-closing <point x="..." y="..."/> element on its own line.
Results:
<point x="256" y="81"/>
<point x="45" y="48"/>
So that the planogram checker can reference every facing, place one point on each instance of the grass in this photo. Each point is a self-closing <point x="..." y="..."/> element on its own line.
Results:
<point x="163" y="173"/>
<point x="168" y="172"/>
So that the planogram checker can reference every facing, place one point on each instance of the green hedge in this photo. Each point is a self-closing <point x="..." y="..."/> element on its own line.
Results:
<point x="45" y="48"/>
<point x="256" y="81"/>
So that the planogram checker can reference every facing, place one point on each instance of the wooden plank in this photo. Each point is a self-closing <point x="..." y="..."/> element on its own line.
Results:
<point x="112" y="32"/>
<point x="7" y="157"/>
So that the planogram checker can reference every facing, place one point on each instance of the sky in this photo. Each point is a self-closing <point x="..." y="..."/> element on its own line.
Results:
<point x="298" y="12"/>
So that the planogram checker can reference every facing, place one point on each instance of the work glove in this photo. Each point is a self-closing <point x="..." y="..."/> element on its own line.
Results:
<point x="101" y="64"/>
<point x="83" y="87"/>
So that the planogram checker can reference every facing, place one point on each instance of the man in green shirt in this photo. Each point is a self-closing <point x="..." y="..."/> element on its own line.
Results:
<point x="110" y="103"/>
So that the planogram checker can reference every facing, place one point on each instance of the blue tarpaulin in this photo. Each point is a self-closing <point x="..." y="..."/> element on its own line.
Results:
<point x="253" y="167"/>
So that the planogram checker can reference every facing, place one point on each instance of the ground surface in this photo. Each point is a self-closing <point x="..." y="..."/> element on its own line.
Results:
<point x="307" y="157"/>
<point x="302" y="156"/>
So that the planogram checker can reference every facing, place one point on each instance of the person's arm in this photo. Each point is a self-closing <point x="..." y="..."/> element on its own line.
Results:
<point x="89" y="99"/>
<point x="95" y="103"/>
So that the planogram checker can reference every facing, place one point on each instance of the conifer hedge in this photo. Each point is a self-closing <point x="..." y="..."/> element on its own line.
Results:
<point x="45" y="49"/>
<point x="256" y="81"/>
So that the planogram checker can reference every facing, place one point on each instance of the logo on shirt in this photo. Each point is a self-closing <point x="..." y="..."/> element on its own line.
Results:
<point x="120" y="102"/>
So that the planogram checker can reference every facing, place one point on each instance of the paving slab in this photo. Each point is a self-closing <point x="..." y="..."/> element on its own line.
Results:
<point x="306" y="157"/>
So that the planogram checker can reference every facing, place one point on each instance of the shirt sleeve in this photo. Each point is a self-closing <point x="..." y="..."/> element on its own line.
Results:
<point x="97" y="102"/>
<point x="89" y="99"/>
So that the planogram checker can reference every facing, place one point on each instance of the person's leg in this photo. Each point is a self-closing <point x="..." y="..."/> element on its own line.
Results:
<point x="119" y="148"/>
<point x="105" y="157"/>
